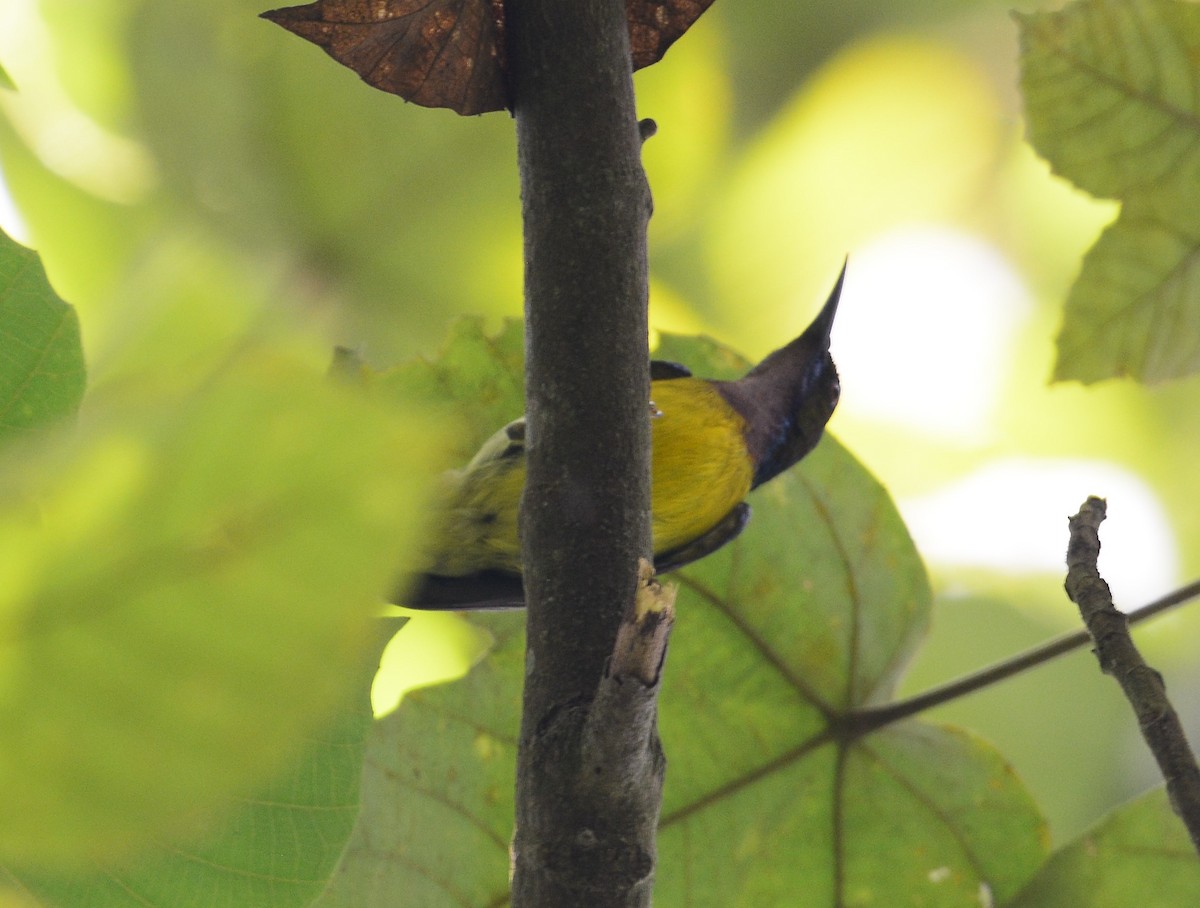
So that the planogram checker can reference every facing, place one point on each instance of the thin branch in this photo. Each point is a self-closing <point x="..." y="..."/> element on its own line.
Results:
<point x="1141" y="684"/>
<point x="861" y="721"/>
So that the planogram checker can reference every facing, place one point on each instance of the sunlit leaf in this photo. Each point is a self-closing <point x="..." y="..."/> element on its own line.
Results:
<point x="1139" y="854"/>
<point x="191" y="600"/>
<point x="812" y="612"/>
<point x="1110" y="94"/>
<point x="42" y="373"/>
<point x="915" y="815"/>
<point x="435" y="647"/>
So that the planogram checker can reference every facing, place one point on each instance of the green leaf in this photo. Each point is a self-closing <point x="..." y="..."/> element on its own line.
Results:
<point x="1111" y="99"/>
<point x="914" y="815"/>
<point x="1134" y="310"/>
<point x="437" y="791"/>
<point x="1110" y="91"/>
<point x="192" y="601"/>
<point x="42" y="375"/>
<point x="812" y="612"/>
<point x="1139" y="854"/>
<point x="478" y="378"/>
<point x="276" y="848"/>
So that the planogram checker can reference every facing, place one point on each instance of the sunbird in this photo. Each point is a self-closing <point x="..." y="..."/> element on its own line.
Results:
<point x="712" y="442"/>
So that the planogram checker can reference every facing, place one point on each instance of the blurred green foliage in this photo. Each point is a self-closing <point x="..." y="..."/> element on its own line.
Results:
<point x="187" y="586"/>
<point x="221" y="204"/>
<point x="275" y="845"/>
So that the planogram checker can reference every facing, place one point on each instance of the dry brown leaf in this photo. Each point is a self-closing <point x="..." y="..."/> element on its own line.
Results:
<point x="450" y="53"/>
<point x="436" y="53"/>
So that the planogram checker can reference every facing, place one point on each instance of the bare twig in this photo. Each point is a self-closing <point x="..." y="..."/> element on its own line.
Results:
<point x="1141" y="684"/>
<point x="861" y="721"/>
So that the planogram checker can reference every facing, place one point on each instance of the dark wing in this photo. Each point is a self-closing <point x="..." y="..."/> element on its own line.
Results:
<point x="661" y="370"/>
<point x="483" y="590"/>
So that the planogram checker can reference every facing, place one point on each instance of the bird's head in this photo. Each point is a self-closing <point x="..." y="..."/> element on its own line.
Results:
<point x="787" y="399"/>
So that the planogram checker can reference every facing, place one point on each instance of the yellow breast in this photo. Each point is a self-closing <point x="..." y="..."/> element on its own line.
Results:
<point x="699" y="469"/>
